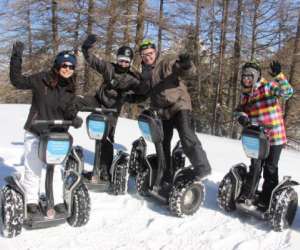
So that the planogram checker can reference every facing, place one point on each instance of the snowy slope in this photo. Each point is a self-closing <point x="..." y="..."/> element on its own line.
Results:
<point x="130" y="221"/>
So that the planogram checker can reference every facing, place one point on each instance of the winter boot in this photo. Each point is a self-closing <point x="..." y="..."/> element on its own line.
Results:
<point x="32" y="208"/>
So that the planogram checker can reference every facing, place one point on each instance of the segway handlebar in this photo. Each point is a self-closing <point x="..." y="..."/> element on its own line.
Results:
<point x="52" y="122"/>
<point x="98" y="110"/>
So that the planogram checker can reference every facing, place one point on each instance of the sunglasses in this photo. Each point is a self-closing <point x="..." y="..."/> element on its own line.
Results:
<point x="65" y="66"/>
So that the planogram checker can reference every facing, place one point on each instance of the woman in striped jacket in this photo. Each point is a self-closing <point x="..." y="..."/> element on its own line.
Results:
<point x="259" y="104"/>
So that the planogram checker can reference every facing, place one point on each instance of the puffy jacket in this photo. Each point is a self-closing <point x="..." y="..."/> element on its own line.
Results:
<point x="262" y="106"/>
<point x="51" y="95"/>
<point x="122" y="82"/>
<point x="167" y="84"/>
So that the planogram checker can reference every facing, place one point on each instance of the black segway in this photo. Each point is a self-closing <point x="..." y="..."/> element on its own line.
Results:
<point x="183" y="193"/>
<point x="54" y="148"/>
<point x="98" y="125"/>
<point x="283" y="203"/>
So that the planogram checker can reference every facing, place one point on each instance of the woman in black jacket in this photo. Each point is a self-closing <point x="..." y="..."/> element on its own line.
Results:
<point x="52" y="93"/>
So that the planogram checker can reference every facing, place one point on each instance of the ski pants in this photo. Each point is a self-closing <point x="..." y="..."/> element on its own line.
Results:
<point x="191" y="145"/>
<point x="107" y="148"/>
<point x="34" y="168"/>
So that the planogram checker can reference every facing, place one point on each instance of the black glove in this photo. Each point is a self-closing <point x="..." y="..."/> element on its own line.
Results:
<point x="89" y="42"/>
<point x="111" y="93"/>
<point x="71" y="111"/>
<point x="18" y="48"/>
<point x="244" y="120"/>
<point x="185" y="61"/>
<point x="77" y="122"/>
<point x="275" y="67"/>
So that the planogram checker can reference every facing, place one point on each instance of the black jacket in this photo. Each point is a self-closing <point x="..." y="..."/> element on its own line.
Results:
<point x="113" y="79"/>
<point x="51" y="95"/>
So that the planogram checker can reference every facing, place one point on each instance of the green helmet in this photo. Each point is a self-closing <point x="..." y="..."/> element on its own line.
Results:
<point x="146" y="44"/>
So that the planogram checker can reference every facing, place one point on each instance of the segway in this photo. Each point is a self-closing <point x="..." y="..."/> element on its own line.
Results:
<point x="54" y="148"/>
<point x="281" y="210"/>
<point x="98" y="126"/>
<point x="182" y="193"/>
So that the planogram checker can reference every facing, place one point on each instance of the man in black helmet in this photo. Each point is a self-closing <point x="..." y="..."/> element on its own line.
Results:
<point x="118" y="80"/>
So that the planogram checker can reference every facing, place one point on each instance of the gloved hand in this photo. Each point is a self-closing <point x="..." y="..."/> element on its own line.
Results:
<point x="71" y="111"/>
<point x="89" y="41"/>
<point x="244" y="121"/>
<point x="18" y="48"/>
<point x="77" y="122"/>
<point x="111" y="93"/>
<point x="275" y="67"/>
<point x="185" y="61"/>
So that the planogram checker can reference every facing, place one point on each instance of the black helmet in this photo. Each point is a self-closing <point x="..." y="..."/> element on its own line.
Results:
<point x="125" y="53"/>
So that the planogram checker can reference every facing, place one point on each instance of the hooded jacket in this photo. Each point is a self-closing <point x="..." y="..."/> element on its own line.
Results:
<point x="166" y="82"/>
<point x="116" y="82"/>
<point x="51" y="94"/>
<point x="261" y="104"/>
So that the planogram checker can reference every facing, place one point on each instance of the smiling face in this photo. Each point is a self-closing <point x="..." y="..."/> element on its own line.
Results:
<point x="247" y="80"/>
<point x="66" y="70"/>
<point x="148" y="56"/>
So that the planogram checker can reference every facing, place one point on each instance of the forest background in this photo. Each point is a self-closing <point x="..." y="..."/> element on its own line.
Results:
<point x="220" y="35"/>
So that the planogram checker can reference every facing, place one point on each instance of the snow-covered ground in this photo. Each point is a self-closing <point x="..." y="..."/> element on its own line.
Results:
<point x="130" y="221"/>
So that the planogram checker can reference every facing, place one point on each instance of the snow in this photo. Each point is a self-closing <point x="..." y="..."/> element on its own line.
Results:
<point x="133" y="222"/>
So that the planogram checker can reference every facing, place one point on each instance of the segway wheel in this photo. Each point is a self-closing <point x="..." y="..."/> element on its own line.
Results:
<point x="186" y="198"/>
<point x="142" y="182"/>
<point x="11" y="212"/>
<point x="120" y="180"/>
<point x="226" y="200"/>
<point x="80" y="207"/>
<point x="283" y="209"/>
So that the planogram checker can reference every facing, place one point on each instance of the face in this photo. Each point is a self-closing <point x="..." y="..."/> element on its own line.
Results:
<point x="247" y="80"/>
<point x="66" y="70"/>
<point x="123" y="63"/>
<point x="148" y="56"/>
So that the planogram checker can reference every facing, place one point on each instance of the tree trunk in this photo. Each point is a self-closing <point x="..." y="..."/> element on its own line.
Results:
<point x="139" y="29"/>
<point x="29" y="30"/>
<point x="254" y="28"/>
<point x="292" y="105"/>
<point x="54" y="27"/>
<point x="110" y="28"/>
<point x="160" y="23"/>
<point x="128" y="13"/>
<point x="90" y="23"/>
<point x="219" y="91"/>
<point x="236" y="63"/>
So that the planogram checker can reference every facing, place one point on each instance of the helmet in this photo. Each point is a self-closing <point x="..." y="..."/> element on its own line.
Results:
<point x="146" y="44"/>
<point x="125" y="53"/>
<point x="64" y="56"/>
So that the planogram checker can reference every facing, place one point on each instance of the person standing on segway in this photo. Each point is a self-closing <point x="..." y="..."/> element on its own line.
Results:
<point x="168" y="93"/>
<point x="118" y="80"/>
<point x="53" y="92"/>
<point x="259" y="104"/>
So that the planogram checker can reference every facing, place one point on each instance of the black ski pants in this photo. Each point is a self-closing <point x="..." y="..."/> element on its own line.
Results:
<point x="191" y="145"/>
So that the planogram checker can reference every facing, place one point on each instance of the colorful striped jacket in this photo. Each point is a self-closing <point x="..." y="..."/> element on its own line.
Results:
<point x="262" y="106"/>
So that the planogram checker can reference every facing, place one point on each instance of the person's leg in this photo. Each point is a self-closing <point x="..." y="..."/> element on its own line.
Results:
<point x="168" y="134"/>
<point x="270" y="173"/>
<point x="190" y="143"/>
<point x="33" y="168"/>
<point x="107" y="149"/>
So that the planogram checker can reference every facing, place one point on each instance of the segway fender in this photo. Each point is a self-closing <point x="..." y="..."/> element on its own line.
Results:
<point x="185" y="174"/>
<point x="236" y="172"/>
<point x="71" y="181"/>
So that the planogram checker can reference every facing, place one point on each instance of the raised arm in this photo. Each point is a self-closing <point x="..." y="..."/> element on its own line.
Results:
<point x="279" y="86"/>
<point x="101" y="66"/>
<point x="15" y="72"/>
